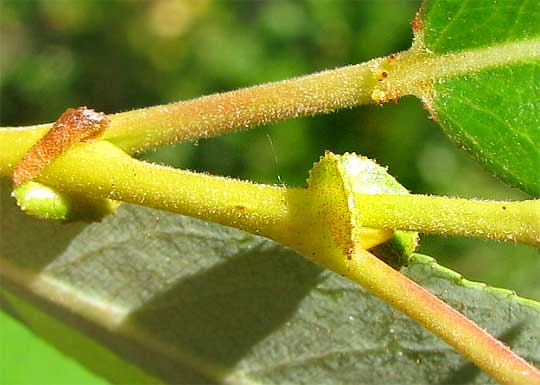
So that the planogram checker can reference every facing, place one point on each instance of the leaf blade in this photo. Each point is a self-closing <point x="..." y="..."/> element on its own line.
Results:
<point x="490" y="111"/>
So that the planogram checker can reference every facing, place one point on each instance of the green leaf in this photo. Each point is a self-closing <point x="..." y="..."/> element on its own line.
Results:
<point x="490" y="107"/>
<point x="22" y="361"/>
<point x="187" y="301"/>
<point x="22" y="350"/>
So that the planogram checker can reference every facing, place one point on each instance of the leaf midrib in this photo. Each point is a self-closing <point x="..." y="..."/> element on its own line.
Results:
<point x="418" y="69"/>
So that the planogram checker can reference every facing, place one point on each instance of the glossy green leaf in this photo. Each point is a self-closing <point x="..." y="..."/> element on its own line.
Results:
<point x="491" y="109"/>
<point x="191" y="302"/>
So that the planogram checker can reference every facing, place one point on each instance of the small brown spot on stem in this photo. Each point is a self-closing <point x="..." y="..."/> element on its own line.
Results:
<point x="240" y="207"/>
<point x="381" y="75"/>
<point x="73" y="126"/>
<point x="349" y="252"/>
<point x="417" y="24"/>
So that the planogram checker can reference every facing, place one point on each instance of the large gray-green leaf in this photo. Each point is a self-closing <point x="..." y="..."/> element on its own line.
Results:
<point x="492" y="108"/>
<point x="191" y="302"/>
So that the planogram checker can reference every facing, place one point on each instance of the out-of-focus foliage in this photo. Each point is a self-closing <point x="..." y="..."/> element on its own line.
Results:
<point x="121" y="55"/>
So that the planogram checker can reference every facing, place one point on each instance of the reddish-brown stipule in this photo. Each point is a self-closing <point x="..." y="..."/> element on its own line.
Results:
<point x="75" y="125"/>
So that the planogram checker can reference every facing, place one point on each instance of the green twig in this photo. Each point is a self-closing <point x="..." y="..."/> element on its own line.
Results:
<point x="99" y="170"/>
<point x="217" y="114"/>
<point x="376" y="81"/>
<point x="504" y="221"/>
<point x="451" y="326"/>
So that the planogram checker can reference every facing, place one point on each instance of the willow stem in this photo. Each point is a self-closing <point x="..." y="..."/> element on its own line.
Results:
<point x="216" y="114"/>
<point x="405" y="73"/>
<point x="451" y="326"/>
<point x="504" y="221"/>
<point x="265" y="210"/>
<point x="221" y="113"/>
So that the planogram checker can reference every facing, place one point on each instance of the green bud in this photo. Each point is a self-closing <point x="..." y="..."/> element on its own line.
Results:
<point x="45" y="202"/>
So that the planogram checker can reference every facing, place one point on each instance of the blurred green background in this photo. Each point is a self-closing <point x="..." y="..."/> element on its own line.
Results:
<point x="120" y="55"/>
